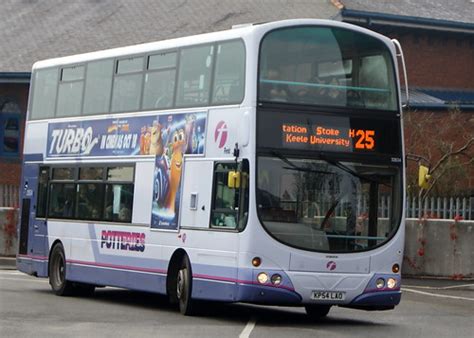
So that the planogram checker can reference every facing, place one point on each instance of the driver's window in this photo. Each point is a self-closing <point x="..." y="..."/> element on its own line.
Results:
<point x="229" y="205"/>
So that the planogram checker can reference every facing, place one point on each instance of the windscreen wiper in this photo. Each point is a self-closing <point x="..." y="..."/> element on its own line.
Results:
<point x="371" y="179"/>
<point x="295" y="167"/>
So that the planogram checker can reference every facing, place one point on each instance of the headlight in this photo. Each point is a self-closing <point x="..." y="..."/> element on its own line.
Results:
<point x="380" y="283"/>
<point x="262" y="278"/>
<point x="276" y="279"/>
<point x="391" y="283"/>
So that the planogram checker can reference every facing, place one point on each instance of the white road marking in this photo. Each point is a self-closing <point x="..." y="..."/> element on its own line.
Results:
<point x="436" y="295"/>
<point x="441" y="287"/>
<point x="248" y="328"/>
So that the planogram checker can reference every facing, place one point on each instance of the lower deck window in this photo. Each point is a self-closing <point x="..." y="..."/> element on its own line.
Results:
<point x="61" y="201"/>
<point x="89" y="201"/>
<point x="118" y="202"/>
<point x="87" y="193"/>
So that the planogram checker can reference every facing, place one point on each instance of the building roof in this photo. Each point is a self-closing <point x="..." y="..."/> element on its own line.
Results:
<point x="454" y="15"/>
<point x="32" y="30"/>
<point x="440" y="98"/>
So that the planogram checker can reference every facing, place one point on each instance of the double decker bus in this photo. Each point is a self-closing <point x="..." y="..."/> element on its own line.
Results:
<point x="262" y="164"/>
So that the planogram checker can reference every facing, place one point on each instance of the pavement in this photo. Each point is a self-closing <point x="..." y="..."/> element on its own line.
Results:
<point x="7" y="263"/>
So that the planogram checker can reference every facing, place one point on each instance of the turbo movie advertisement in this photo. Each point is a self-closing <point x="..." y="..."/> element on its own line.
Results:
<point x="172" y="137"/>
<point x="168" y="137"/>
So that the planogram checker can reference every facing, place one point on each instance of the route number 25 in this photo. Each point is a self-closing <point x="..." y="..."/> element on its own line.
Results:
<point x="364" y="138"/>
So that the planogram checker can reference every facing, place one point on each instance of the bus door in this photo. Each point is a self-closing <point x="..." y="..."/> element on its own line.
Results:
<point x="197" y="190"/>
<point x="33" y="231"/>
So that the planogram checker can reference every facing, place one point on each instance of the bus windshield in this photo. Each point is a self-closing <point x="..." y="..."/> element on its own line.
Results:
<point x="326" y="66"/>
<point x="327" y="206"/>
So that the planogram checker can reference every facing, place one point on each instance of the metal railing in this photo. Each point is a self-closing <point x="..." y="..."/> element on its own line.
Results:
<point x="440" y="207"/>
<point x="9" y="195"/>
<point x="432" y="208"/>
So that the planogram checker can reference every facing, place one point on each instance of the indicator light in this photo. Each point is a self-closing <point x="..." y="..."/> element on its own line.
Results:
<point x="256" y="261"/>
<point x="396" y="268"/>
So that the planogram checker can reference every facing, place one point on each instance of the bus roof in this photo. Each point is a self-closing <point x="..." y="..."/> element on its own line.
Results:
<point x="239" y="31"/>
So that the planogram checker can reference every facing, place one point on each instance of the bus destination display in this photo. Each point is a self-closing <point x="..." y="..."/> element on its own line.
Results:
<point x="362" y="139"/>
<point x="305" y="131"/>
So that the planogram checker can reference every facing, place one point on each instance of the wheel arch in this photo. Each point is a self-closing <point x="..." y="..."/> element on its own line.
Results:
<point x="173" y="267"/>
<point x="56" y="242"/>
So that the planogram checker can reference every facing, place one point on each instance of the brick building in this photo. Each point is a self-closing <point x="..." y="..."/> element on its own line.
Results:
<point x="437" y="37"/>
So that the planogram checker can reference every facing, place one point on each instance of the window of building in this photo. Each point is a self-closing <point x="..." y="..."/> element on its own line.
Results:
<point x="229" y="73"/>
<point x="9" y="135"/>
<point x="195" y="71"/>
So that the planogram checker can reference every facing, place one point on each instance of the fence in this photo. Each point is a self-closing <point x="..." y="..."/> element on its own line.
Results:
<point x="440" y="207"/>
<point x="9" y="195"/>
<point x="433" y="207"/>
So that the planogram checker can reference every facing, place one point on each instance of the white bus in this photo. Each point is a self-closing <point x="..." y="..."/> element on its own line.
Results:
<point x="262" y="164"/>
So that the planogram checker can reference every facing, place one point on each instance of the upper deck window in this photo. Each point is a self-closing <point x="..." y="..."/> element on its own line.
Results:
<point x="98" y="87"/>
<point x="71" y="86"/>
<point x="328" y="67"/>
<point x="229" y="73"/>
<point x="127" y="87"/>
<point x="160" y="81"/>
<point x="44" y="93"/>
<point x="194" y="80"/>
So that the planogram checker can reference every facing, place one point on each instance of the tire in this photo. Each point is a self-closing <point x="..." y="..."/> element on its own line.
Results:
<point x="184" y="284"/>
<point x="317" y="311"/>
<point x="57" y="272"/>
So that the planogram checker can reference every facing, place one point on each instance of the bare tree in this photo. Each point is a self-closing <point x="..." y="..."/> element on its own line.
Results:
<point x="446" y="142"/>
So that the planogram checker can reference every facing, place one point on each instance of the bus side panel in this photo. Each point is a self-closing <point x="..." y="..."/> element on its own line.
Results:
<point x="129" y="279"/>
<point x="32" y="255"/>
<point x="110" y="255"/>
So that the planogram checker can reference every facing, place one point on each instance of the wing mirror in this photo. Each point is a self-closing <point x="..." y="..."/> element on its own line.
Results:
<point x="424" y="177"/>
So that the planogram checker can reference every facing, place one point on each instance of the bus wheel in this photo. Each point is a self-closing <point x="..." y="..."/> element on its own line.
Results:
<point x="57" y="272"/>
<point x="317" y="311"/>
<point x="184" y="287"/>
